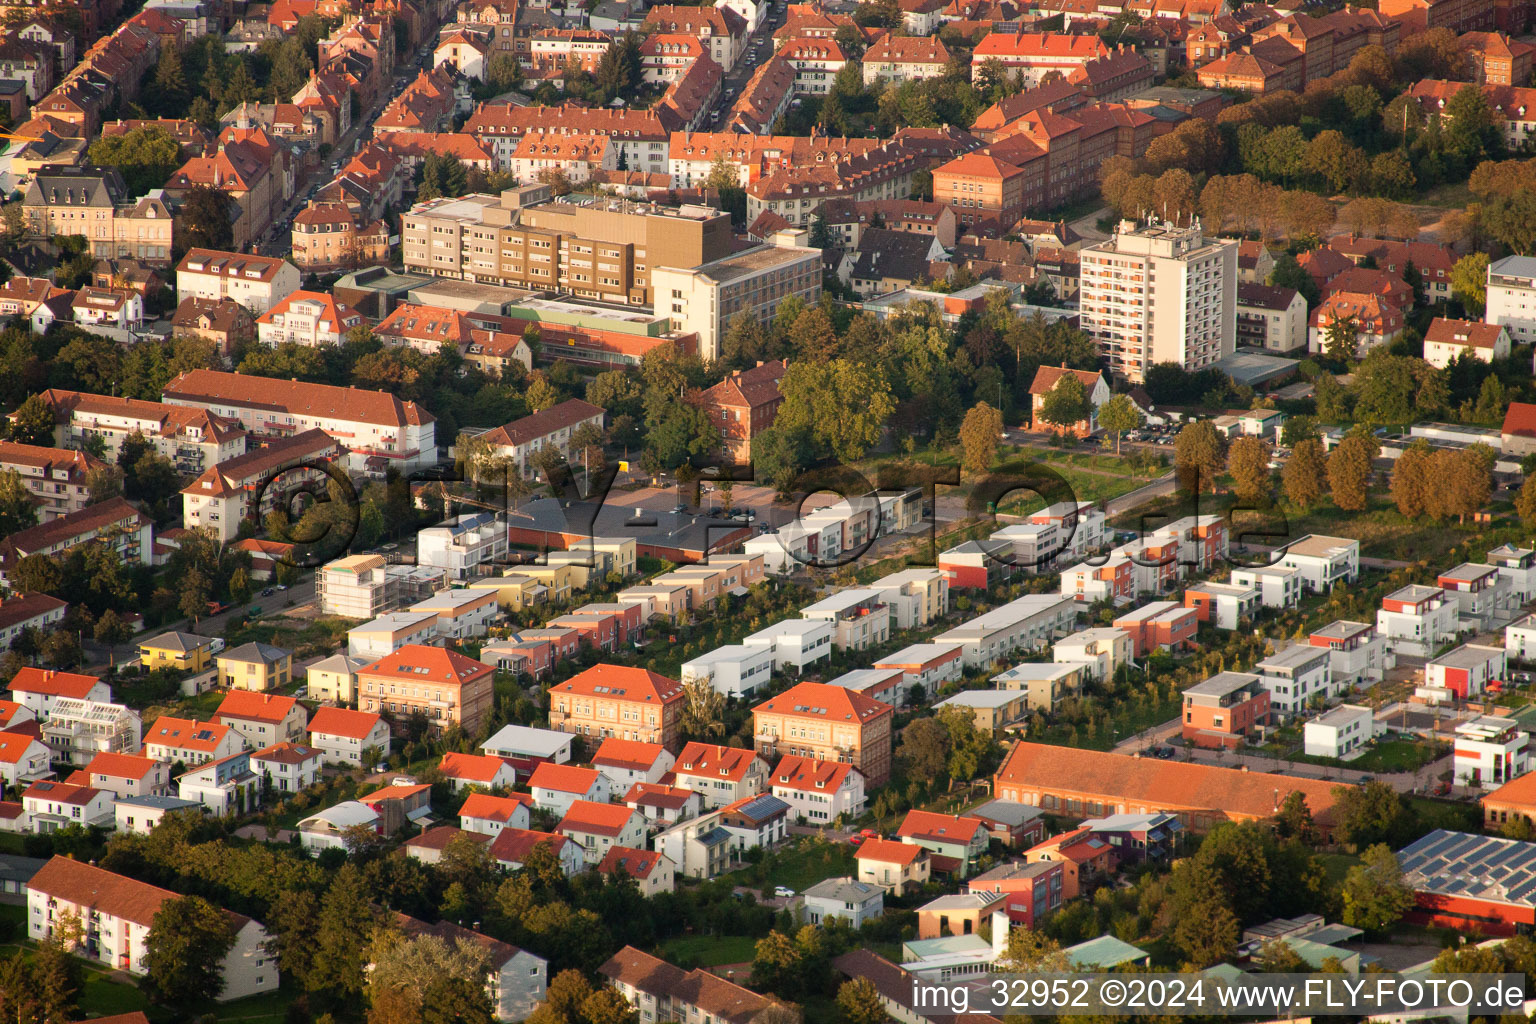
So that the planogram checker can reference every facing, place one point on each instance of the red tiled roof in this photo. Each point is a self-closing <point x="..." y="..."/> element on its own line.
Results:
<point x="809" y="774"/>
<point x="1463" y="332"/>
<point x="471" y="767"/>
<point x="494" y="808"/>
<point x="185" y="734"/>
<point x="715" y="761"/>
<point x="1520" y="419"/>
<point x="1170" y="786"/>
<point x="940" y="828"/>
<point x="631" y="754"/>
<point x="886" y="852"/>
<point x="441" y="666"/>
<point x="563" y="416"/>
<point x="255" y="707"/>
<point x="87" y="886"/>
<point x="513" y="845"/>
<point x="648" y="794"/>
<point x="60" y="792"/>
<point x="828" y="703"/>
<point x="299" y="398"/>
<point x="563" y="778"/>
<point x="636" y="863"/>
<point x="621" y="682"/>
<point x="330" y="721"/>
<point x="121" y="766"/>
<point x="52" y="683"/>
<point x="384" y="794"/>
<point x="593" y="818"/>
<point x="14" y="746"/>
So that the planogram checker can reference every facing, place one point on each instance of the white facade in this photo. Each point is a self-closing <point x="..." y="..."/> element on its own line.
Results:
<point x="1416" y="620"/>
<point x="796" y="643"/>
<point x="853" y="901"/>
<point x="1511" y="300"/>
<point x="704" y="299"/>
<point x="1323" y="561"/>
<point x="1295" y="676"/>
<point x="1489" y="751"/>
<point x="115" y="936"/>
<point x="1339" y="732"/>
<point x="859" y="615"/>
<point x="463" y="547"/>
<point x="257" y="283"/>
<point x="1229" y="602"/>
<point x="1278" y="585"/>
<point x="556" y="797"/>
<point x="1102" y="650"/>
<point x="348" y="748"/>
<point x="1357" y="653"/>
<point x="1159" y="294"/>
<point x="1027" y="623"/>
<point x="1467" y="670"/>
<point x="140" y="814"/>
<point x="1520" y="639"/>
<point x="735" y="670"/>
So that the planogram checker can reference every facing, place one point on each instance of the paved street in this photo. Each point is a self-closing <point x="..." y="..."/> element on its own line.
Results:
<point x="278" y="241"/>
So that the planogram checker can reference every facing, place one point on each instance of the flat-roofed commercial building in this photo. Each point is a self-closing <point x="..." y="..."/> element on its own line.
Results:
<point x="702" y="298"/>
<point x="601" y="248"/>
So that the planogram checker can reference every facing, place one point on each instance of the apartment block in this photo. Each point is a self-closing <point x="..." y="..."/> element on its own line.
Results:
<point x="194" y="439"/>
<point x="1511" y="301"/>
<point x="377" y="429"/>
<point x="1297" y="676"/>
<point x="256" y="282"/>
<point x="1358" y="654"/>
<point x="829" y="723"/>
<point x="249" y="486"/>
<point x="444" y="687"/>
<point x="600" y="248"/>
<point x="365" y="586"/>
<point x="1416" y="620"/>
<point x="1225" y="710"/>
<point x="703" y="298"/>
<point x="613" y="700"/>
<point x="1159" y="293"/>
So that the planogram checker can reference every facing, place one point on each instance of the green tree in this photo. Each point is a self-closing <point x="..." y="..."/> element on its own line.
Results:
<point x="840" y="405"/>
<point x="1469" y="282"/>
<point x="1349" y="472"/>
<point x="17" y="511"/>
<point x="1205" y="929"/>
<point x="1410" y="480"/>
<point x="859" y="1002"/>
<point x="1374" y="895"/>
<point x="33" y="422"/>
<point x="343" y="931"/>
<point x="1369" y="814"/>
<point x="703" y="712"/>
<point x="146" y="156"/>
<point x="978" y="437"/>
<point x="1341" y="338"/>
<point x="184" y="951"/>
<point x="812" y="336"/>
<point x="1525" y="501"/>
<point x="205" y="217"/>
<point x="1066" y="404"/>
<point x="1248" y="464"/>
<point x="1119" y="415"/>
<point x="1199" y="452"/>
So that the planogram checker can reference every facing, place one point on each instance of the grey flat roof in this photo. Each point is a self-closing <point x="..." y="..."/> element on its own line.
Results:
<point x="1253" y="368"/>
<point x="1222" y="683"/>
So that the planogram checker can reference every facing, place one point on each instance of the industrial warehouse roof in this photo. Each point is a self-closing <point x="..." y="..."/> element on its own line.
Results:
<point x="1476" y="867"/>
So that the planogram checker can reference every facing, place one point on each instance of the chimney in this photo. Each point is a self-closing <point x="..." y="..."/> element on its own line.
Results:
<point x="1000" y="929"/>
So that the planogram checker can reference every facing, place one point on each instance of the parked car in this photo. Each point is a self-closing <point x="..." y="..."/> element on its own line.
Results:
<point x="783" y="892"/>
<point x="679" y="509"/>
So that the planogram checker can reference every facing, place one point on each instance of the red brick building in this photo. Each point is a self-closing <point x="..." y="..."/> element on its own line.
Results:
<point x="743" y="406"/>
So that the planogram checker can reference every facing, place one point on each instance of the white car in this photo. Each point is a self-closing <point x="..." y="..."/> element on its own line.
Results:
<point x="783" y="892"/>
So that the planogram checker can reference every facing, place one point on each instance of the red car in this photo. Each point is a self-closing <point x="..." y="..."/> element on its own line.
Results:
<point x="856" y="840"/>
<point x="869" y="833"/>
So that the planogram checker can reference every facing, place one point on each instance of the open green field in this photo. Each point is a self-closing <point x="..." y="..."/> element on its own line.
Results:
<point x="709" y="950"/>
<point x="798" y="867"/>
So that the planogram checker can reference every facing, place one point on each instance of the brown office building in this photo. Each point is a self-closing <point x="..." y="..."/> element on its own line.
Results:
<point x="594" y="248"/>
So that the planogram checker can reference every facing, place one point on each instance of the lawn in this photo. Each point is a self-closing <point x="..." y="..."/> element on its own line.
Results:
<point x="1337" y="865"/>
<point x="798" y="867"/>
<point x="100" y="996"/>
<point x="1400" y="755"/>
<point x="1430" y="814"/>
<point x="304" y="637"/>
<point x="709" y="950"/>
<point x="271" y="1008"/>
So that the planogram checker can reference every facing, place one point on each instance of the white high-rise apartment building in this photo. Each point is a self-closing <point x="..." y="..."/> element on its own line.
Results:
<point x="1159" y="293"/>
<point x="1512" y="296"/>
